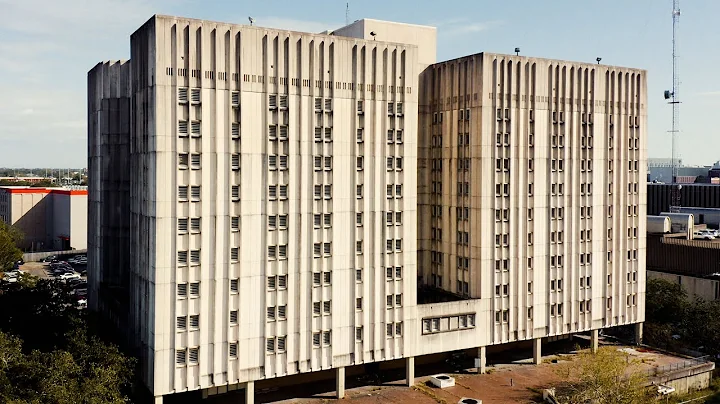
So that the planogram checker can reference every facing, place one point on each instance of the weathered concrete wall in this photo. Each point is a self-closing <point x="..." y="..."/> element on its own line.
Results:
<point x="34" y="257"/>
<point x="689" y="379"/>
<point x="108" y="229"/>
<point x="708" y="289"/>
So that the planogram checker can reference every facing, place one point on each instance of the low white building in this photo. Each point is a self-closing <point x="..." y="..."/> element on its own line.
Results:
<point x="51" y="219"/>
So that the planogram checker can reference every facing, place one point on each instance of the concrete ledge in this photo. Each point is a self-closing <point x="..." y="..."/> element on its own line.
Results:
<point x="37" y="256"/>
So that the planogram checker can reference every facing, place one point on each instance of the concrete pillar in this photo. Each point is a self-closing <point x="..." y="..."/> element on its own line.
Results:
<point x="537" y="351"/>
<point x="250" y="392"/>
<point x="158" y="400"/>
<point x="410" y="370"/>
<point x="481" y="360"/>
<point x="638" y="333"/>
<point x="340" y="382"/>
<point x="594" y="343"/>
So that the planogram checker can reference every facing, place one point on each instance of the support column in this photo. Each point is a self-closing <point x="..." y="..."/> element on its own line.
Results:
<point x="158" y="400"/>
<point x="250" y="392"/>
<point x="340" y="382"/>
<point x="594" y="343"/>
<point x="480" y="364"/>
<point x="537" y="351"/>
<point x="410" y="371"/>
<point x="638" y="333"/>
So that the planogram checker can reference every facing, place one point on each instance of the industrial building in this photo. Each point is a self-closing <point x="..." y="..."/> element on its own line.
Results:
<point x="695" y="195"/>
<point x="290" y="193"/>
<point x="660" y="170"/>
<point x="694" y="264"/>
<point x="51" y="219"/>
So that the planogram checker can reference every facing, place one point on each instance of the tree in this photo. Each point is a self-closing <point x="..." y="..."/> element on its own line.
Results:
<point x="9" y="253"/>
<point x="42" y="184"/>
<point x="49" y="354"/>
<point x="701" y="325"/>
<point x="605" y="377"/>
<point x="665" y="302"/>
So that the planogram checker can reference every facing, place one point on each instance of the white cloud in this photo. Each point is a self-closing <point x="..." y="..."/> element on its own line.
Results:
<point x="290" y="24"/>
<point x="47" y="47"/>
<point x="461" y="26"/>
<point x="71" y="17"/>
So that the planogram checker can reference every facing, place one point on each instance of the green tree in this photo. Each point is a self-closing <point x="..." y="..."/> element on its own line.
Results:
<point x="9" y="253"/>
<point x="665" y="302"/>
<point x="605" y="377"/>
<point x="49" y="354"/>
<point x="701" y="325"/>
<point x="42" y="184"/>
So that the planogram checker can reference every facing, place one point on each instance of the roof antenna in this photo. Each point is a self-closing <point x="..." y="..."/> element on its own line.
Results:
<point x="372" y="34"/>
<point x="347" y="13"/>
<point x="252" y="21"/>
<point x="517" y="51"/>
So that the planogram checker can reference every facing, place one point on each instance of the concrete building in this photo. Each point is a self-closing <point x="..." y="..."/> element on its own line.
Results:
<point x="694" y="264"/>
<point x="532" y="186"/>
<point x="660" y="170"/>
<point x="274" y="193"/>
<point x="109" y="188"/>
<point x="694" y="195"/>
<point x="49" y="218"/>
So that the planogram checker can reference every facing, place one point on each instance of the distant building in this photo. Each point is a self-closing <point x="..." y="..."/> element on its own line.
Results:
<point x="31" y="179"/>
<point x="660" y="170"/>
<point x="50" y="218"/>
<point x="693" y="264"/>
<point x="695" y="195"/>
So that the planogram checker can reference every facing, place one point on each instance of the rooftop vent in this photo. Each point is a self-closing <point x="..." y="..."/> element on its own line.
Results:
<point x="442" y="381"/>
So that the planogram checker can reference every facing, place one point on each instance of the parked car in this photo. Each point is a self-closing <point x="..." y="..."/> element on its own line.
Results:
<point x="76" y="281"/>
<point x="49" y="258"/>
<point x="68" y="275"/>
<point x="704" y="235"/>
<point x="82" y="303"/>
<point x="12" y="274"/>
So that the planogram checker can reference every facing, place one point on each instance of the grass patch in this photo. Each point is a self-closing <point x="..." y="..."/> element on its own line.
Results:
<point x="423" y="388"/>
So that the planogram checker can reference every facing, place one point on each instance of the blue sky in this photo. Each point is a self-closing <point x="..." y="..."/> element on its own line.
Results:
<point x="47" y="47"/>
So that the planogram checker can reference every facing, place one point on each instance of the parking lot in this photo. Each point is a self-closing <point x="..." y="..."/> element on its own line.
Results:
<point x="70" y="269"/>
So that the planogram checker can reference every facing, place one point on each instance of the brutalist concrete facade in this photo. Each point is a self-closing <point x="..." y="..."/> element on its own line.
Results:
<point x="109" y="104"/>
<point x="274" y="191"/>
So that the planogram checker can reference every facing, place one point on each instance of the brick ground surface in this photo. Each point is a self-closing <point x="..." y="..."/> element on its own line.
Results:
<point x="515" y="382"/>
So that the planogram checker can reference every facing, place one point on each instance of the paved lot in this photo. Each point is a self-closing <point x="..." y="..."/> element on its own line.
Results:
<point x="528" y="381"/>
<point x="36" y="268"/>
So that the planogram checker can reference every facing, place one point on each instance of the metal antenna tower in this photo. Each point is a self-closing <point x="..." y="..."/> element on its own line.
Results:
<point x="674" y="97"/>
<point x="347" y="14"/>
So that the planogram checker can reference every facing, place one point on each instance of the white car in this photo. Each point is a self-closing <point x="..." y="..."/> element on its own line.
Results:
<point x="82" y="304"/>
<point x="704" y="235"/>
<point x="68" y="275"/>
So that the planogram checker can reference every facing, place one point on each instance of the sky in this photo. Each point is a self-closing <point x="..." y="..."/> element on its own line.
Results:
<point x="47" y="47"/>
